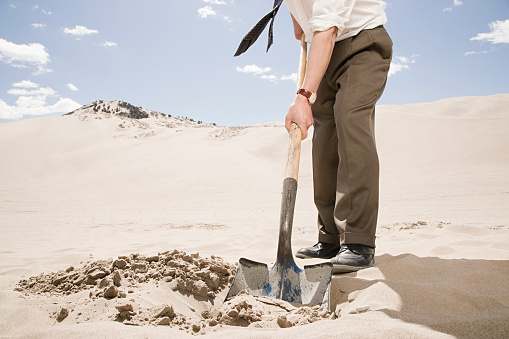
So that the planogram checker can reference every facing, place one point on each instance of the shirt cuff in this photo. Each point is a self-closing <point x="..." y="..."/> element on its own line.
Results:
<point x="324" y="22"/>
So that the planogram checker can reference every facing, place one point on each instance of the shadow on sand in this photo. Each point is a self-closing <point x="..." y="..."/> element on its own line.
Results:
<point x="460" y="297"/>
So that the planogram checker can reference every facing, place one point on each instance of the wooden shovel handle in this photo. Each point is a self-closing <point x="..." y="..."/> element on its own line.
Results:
<point x="302" y="61"/>
<point x="292" y="164"/>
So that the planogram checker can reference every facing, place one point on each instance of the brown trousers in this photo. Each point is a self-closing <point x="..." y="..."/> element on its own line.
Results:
<point x="345" y="159"/>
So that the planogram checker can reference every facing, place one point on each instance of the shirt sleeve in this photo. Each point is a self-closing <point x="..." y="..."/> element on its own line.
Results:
<point x="330" y="13"/>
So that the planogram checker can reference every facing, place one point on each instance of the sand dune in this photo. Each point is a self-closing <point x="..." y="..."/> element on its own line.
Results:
<point x="88" y="187"/>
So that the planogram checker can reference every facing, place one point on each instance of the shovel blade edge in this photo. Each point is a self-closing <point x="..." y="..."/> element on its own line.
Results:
<point x="315" y="281"/>
<point x="252" y="276"/>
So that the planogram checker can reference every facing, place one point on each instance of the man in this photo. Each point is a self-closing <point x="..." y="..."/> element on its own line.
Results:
<point x="348" y="61"/>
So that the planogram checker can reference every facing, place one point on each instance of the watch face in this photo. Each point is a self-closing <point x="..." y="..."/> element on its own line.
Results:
<point x="312" y="98"/>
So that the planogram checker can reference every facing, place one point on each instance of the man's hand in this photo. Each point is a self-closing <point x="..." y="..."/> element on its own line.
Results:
<point x="300" y="113"/>
<point x="318" y="59"/>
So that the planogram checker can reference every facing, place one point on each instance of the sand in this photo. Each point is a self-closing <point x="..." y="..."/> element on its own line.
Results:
<point x="153" y="214"/>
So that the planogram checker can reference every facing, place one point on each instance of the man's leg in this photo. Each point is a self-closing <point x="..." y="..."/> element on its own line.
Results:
<point x="325" y="163"/>
<point x="361" y="82"/>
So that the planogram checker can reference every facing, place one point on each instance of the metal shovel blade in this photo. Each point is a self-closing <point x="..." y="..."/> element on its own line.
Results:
<point x="285" y="280"/>
<point x="308" y="286"/>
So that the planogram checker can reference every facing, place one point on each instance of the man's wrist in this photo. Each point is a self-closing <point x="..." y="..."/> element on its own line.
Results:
<point x="302" y="99"/>
<point x="310" y="96"/>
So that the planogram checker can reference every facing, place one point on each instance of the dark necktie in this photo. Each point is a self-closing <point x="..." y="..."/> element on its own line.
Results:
<point x="255" y="32"/>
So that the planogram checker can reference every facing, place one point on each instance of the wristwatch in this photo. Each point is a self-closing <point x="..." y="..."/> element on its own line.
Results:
<point x="311" y="96"/>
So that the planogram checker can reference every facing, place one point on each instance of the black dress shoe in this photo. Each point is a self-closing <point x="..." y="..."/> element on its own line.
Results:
<point x="321" y="250"/>
<point x="353" y="257"/>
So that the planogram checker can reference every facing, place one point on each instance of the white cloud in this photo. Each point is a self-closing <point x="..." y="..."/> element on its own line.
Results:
<point x="292" y="77"/>
<point x="72" y="87"/>
<point x="456" y="3"/>
<point x="262" y="73"/>
<point x="227" y="19"/>
<point x="35" y="106"/>
<point x="33" y="101"/>
<point x="206" y="11"/>
<point x="80" y="31"/>
<point x="109" y="44"/>
<point x="499" y="33"/>
<point x="36" y="7"/>
<point x="12" y="5"/>
<point x="401" y="63"/>
<point x="383" y="4"/>
<point x="40" y="91"/>
<point x="473" y="53"/>
<point x="253" y="69"/>
<point x="406" y="60"/>
<point x="397" y="67"/>
<point x="25" y="84"/>
<point x="215" y="2"/>
<point x="20" y="55"/>
<point x="270" y="77"/>
<point x="36" y="26"/>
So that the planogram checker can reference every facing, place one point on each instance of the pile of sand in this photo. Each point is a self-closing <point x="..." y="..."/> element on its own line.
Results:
<point x="114" y="287"/>
<point x="190" y="273"/>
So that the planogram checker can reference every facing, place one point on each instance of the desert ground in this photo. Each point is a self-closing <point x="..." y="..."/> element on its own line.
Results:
<point x="119" y="227"/>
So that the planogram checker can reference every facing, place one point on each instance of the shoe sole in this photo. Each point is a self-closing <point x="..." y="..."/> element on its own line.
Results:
<point x="336" y="269"/>
<point x="303" y="256"/>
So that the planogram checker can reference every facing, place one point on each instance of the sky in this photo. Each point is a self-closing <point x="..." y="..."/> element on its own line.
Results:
<point x="176" y="57"/>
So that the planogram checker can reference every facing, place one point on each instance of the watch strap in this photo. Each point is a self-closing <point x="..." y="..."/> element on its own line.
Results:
<point x="309" y="95"/>
<point x="305" y="92"/>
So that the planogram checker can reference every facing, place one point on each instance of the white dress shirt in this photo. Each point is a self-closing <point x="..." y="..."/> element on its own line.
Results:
<point x="349" y="16"/>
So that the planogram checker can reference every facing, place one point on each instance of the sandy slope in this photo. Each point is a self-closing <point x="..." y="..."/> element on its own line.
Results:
<point x="79" y="188"/>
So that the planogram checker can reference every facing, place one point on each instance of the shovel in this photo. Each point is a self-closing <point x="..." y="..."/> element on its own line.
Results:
<point x="285" y="280"/>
